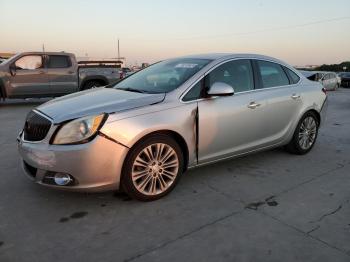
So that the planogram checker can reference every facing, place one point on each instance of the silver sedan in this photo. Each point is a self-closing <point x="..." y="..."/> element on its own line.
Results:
<point x="143" y="133"/>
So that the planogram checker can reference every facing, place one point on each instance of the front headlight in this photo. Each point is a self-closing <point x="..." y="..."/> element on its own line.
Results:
<point x="78" y="130"/>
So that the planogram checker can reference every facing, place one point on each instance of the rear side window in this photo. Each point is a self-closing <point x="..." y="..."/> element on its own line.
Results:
<point x="293" y="76"/>
<point x="59" y="61"/>
<point x="272" y="74"/>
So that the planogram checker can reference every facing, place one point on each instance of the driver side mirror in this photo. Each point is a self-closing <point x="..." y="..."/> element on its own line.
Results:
<point x="13" y="69"/>
<point x="220" y="89"/>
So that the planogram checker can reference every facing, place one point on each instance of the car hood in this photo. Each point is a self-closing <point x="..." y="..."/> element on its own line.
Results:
<point x="96" y="101"/>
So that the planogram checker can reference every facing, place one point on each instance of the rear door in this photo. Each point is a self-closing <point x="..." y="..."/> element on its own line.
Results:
<point x="281" y="94"/>
<point x="62" y="74"/>
<point x="30" y="78"/>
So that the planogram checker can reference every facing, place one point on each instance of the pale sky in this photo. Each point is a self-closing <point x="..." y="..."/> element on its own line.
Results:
<point x="301" y="32"/>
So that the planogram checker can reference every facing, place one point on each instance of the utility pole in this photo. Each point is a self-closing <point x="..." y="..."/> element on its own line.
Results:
<point x="118" y="50"/>
<point x="44" y="48"/>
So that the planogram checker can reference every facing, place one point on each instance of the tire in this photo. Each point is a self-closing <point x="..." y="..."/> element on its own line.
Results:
<point x="152" y="168"/>
<point x="302" y="144"/>
<point x="91" y="84"/>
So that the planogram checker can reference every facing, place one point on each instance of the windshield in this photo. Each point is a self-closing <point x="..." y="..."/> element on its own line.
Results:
<point x="9" y="60"/>
<point x="164" y="76"/>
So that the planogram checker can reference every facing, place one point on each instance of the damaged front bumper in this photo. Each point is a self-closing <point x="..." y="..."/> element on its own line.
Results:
<point x="95" y="166"/>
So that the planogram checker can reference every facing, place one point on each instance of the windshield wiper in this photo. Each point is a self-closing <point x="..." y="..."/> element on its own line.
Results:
<point x="132" y="90"/>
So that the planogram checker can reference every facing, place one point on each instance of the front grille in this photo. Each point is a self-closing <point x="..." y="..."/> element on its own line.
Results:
<point x="36" y="127"/>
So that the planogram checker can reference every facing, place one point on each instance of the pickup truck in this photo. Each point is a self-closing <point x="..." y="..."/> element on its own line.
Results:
<point x="51" y="74"/>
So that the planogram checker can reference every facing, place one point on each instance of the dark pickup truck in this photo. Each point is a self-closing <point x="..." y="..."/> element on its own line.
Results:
<point x="51" y="74"/>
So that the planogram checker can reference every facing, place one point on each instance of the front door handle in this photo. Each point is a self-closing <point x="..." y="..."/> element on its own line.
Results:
<point x="295" y="96"/>
<point x="253" y="105"/>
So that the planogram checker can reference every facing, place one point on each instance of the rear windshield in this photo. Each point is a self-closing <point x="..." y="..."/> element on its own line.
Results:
<point x="164" y="76"/>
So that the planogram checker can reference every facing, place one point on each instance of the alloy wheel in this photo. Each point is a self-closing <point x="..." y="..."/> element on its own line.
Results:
<point x="155" y="169"/>
<point x="307" y="133"/>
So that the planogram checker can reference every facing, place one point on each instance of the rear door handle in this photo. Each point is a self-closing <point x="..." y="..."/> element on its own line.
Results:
<point x="41" y="72"/>
<point x="253" y="105"/>
<point x="295" y="96"/>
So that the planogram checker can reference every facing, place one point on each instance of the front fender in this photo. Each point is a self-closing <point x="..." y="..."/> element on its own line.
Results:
<point x="181" y="120"/>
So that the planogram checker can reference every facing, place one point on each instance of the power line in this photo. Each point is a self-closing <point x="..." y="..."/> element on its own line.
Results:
<point x="268" y="30"/>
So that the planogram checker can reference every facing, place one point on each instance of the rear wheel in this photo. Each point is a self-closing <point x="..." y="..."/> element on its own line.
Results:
<point x="152" y="168"/>
<point x="305" y="134"/>
<point x="91" y="84"/>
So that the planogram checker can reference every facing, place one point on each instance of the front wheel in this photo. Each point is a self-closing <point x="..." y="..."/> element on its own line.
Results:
<point x="305" y="135"/>
<point x="152" y="168"/>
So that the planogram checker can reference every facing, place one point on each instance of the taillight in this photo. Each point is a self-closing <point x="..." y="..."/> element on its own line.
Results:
<point x="324" y="90"/>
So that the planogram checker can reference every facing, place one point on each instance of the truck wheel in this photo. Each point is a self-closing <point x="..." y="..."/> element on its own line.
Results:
<point x="2" y="95"/>
<point x="91" y="84"/>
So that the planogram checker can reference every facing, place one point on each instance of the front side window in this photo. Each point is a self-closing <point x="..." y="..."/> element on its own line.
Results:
<point x="237" y="73"/>
<point x="59" y="61"/>
<point x="29" y="62"/>
<point x="164" y="76"/>
<point x="272" y="74"/>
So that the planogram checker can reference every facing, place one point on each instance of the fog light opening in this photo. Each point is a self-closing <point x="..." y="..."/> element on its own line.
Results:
<point x="62" y="179"/>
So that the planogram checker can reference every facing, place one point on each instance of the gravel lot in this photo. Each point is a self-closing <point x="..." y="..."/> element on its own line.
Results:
<point x="271" y="206"/>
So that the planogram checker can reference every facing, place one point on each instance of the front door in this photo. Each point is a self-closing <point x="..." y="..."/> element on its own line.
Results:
<point x="230" y="125"/>
<point x="29" y="78"/>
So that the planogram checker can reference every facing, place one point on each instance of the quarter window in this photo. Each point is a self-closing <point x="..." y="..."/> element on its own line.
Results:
<point x="59" y="61"/>
<point x="29" y="62"/>
<point x="293" y="76"/>
<point x="272" y="74"/>
<point x="237" y="73"/>
<point x="194" y="93"/>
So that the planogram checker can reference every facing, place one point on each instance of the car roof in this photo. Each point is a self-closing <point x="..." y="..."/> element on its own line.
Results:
<point x="46" y="53"/>
<point x="217" y="56"/>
